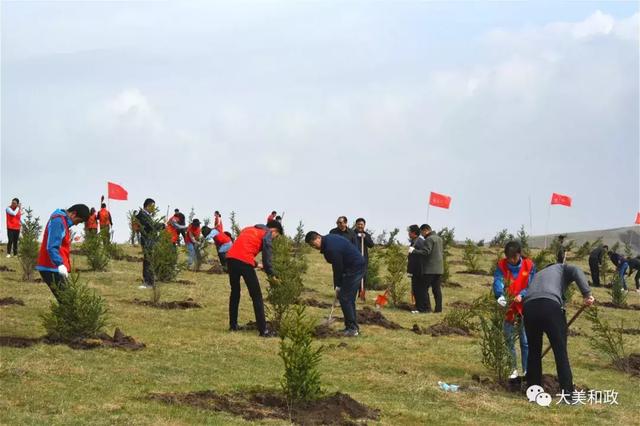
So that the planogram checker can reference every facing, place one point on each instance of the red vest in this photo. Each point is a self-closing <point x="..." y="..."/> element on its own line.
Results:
<point x="92" y="223"/>
<point x="247" y="245"/>
<point x="194" y="231"/>
<point x="103" y="217"/>
<point x="65" y="247"/>
<point x="172" y="231"/>
<point x="217" y="224"/>
<point x="221" y="239"/>
<point x="13" y="222"/>
<point x="515" y="285"/>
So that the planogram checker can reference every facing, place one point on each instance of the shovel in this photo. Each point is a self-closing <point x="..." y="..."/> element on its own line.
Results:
<point x="573" y="318"/>
<point x="330" y="319"/>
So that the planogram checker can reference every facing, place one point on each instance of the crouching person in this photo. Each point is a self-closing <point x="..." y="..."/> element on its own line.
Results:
<point x="54" y="261"/>
<point x="348" y="269"/>
<point x="544" y="314"/>
<point x="241" y="263"/>
<point x="222" y="241"/>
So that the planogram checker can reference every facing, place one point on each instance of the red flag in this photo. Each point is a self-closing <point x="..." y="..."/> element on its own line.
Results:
<point x="116" y="192"/>
<point x="439" y="200"/>
<point x="638" y="219"/>
<point x="563" y="200"/>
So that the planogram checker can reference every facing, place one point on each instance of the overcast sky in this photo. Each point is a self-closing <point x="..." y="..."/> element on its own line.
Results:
<point x="324" y="108"/>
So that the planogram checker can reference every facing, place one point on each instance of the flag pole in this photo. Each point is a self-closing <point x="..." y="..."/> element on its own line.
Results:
<point x="530" y="217"/>
<point x="546" y="230"/>
<point x="428" y="208"/>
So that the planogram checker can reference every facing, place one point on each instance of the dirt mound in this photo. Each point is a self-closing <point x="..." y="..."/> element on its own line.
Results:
<point x="18" y="342"/>
<point x="6" y="269"/>
<point x="452" y="284"/>
<point x="474" y="272"/>
<point x="336" y="409"/>
<point x="549" y="383"/>
<point x="103" y="340"/>
<point x="132" y="259"/>
<point x="185" y="282"/>
<point x="315" y="303"/>
<point x="176" y="304"/>
<point x="371" y="317"/>
<point x="456" y="262"/>
<point x="216" y="268"/>
<point x="632" y="331"/>
<point x="460" y="304"/>
<point x="405" y="306"/>
<point x="10" y="301"/>
<point x="630" y="364"/>
<point x="440" y="329"/>
<point x="324" y="331"/>
<point x="633" y="307"/>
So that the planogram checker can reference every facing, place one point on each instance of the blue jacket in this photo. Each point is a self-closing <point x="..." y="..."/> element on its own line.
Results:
<point x="54" y="240"/>
<point x="498" y="279"/>
<point x="343" y="256"/>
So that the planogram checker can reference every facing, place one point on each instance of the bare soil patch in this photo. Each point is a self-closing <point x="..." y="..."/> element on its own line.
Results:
<point x="18" y="342"/>
<point x="102" y="340"/>
<point x="5" y="301"/>
<point x="550" y="384"/>
<point x="474" y="272"/>
<point x="4" y="268"/>
<point x="630" y="364"/>
<point x="460" y="304"/>
<point x="336" y="409"/>
<point x="369" y="316"/>
<point x="440" y="329"/>
<point x="633" y="307"/>
<point x="176" y="304"/>
<point x="632" y="331"/>
<point x="310" y="301"/>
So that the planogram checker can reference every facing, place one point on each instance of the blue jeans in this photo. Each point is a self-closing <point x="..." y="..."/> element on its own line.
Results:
<point x="191" y="250"/>
<point x="621" y="270"/>
<point x="508" y="328"/>
<point x="347" y="297"/>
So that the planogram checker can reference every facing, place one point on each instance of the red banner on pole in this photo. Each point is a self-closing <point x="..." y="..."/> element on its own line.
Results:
<point x="439" y="200"/>
<point x="563" y="200"/>
<point x="116" y="192"/>
<point x="638" y="219"/>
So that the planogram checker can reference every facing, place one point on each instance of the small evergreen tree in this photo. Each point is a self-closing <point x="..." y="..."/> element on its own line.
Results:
<point x="543" y="259"/>
<point x="192" y="215"/>
<point x="583" y="251"/>
<point x="235" y="228"/>
<point x="500" y="239"/>
<point x="615" y="247"/>
<point x="471" y="256"/>
<point x="80" y="313"/>
<point x="285" y="287"/>
<point x="134" y="227"/>
<point x="29" y="246"/>
<point x="298" y="239"/>
<point x="618" y="295"/>
<point x="628" y="252"/>
<point x="523" y="239"/>
<point x="95" y="251"/>
<point x="392" y="237"/>
<point x="494" y="265"/>
<point x="494" y="343"/>
<point x="396" y="261"/>
<point x="164" y="257"/>
<point x="607" y="339"/>
<point x="605" y="270"/>
<point x="373" y="280"/>
<point x="301" y="379"/>
<point x="382" y="239"/>
<point x="447" y="236"/>
<point x="201" y="254"/>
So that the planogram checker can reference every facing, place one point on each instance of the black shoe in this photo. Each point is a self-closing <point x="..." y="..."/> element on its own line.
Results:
<point x="351" y="332"/>
<point x="268" y="333"/>
<point x="233" y="328"/>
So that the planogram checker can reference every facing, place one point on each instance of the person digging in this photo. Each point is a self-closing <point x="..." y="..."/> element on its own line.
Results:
<point x="54" y="262"/>
<point x="348" y="269"/>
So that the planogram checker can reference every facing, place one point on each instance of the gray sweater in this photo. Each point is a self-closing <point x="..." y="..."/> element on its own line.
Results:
<point x="552" y="281"/>
<point x="433" y="251"/>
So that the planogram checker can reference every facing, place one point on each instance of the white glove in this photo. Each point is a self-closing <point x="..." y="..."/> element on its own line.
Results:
<point x="502" y="301"/>
<point x="411" y="249"/>
<point x="410" y="275"/>
<point x="62" y="270"/>
<point x="360" y="235"/>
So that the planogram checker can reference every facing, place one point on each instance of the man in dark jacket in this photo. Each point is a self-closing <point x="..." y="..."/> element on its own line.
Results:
<point x="343" y="230"/>
<point x="621" y="265"/>
<point x="348" y="269"/>
<point x="149" y="229"/>
<point x="634" y="264"/>
<point x="595" y="261"/>
<point x="434" y="266"/>
<point x="544" y="313"/>
<point x="363" y="243"/>
<point x="416" y="264"/>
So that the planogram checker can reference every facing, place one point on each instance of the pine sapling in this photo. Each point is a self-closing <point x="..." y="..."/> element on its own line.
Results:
<point x="500" y="239"/>
<point x="285" y="287"/>
<point x="29" y="245"/>
<point x="235" y="228"/>
<point x="617" y="292"/>
<point x="164" y="257"/>
<point x="94" y="249"/>
<point x="301" y="379"/>
<point x="523" y="239"/>
<point x="607" y="339"/>
<point x="494" y="343"/>
<point x="80" y="312"/>
<point x="396" y="261"/>
<point x="373" y="281"/>
<point x="471" y="256"/>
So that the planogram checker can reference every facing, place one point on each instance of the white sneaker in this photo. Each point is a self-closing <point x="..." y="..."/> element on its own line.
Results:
<point x="8" y="256"/>
<point x="144" y="287"/>
<point x="415" y="312"/>
<point x="638" y="290"/>
<point x="514" y="374"/>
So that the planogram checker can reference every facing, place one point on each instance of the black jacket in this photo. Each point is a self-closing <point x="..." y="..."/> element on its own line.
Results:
<point x="596" y="255"/>
<point x="368" y="243"/>
<point x="347" y="233"/>
<point x="418" y="259"/>
<point x="148" y="228"/>
<point x="343" y="257"/>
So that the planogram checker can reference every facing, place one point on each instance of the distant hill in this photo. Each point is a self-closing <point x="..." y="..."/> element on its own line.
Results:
<point x="629" y="234"/>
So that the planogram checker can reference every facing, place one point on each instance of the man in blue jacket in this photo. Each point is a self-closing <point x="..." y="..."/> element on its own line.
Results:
<point x="348" y="269"/>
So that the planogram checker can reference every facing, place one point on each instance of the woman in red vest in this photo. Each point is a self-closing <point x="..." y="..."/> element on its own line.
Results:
<point x="241" y="261"/>
<point x="104" y="219"/>
<point x="217" y="221"/>
<point x="191" y="238"/>
<point x="54" y="262"/>
<point x="513" y="275"/>
<point x="91" y="225"/>
<point x="14" y="213"/>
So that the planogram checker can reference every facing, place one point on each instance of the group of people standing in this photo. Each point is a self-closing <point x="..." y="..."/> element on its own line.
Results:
<point x="622" y="264"/>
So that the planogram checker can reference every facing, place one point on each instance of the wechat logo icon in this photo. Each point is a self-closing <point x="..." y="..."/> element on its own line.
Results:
<point x="537" y="394"/>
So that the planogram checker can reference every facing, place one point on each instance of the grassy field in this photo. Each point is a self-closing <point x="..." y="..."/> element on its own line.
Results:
<point x="394" y="371"/>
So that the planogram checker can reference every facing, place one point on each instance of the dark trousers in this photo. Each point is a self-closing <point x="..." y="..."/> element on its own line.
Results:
<point x="223" y="260"/>
<point x="54" y="281"/>
<point x="435" y="282"/>
<point x="347" y="298"/>
<point x="239" y="269"/>
<point x="594" y="266"/>
<point x="545" y="316"/>
<point x="419" y="290"/>
<point x="147" y="269"/>
<point x="637" y="279"/>
<point x="13" y="235"/>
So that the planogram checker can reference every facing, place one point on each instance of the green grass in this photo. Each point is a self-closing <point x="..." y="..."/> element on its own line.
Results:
<point x="395" y="371"/>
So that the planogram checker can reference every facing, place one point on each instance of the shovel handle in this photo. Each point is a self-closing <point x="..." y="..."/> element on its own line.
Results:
<point x="573" y="318"/>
